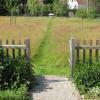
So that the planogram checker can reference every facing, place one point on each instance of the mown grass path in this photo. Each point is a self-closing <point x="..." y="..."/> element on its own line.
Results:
<point x="46" y="61"/>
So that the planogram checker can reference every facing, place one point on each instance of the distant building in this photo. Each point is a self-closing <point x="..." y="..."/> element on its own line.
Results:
<point x="82" y="3"/>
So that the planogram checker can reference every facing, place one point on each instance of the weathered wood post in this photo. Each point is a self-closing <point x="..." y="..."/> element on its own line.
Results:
<point x="7" y="50"/>
<point x="1" y="51"/>
<point x="90" y="53"/>
<point x="13" y="50"/>
<point x="27" y="50"/>
<point x="97" y="51"/>
<point x="72" y="44"/>
<point x="84" y="52"/>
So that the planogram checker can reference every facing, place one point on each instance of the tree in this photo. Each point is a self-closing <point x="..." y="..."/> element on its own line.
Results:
<point x="32" y="7"/>
<point x="3" y="10"/>
<point x="12" y="6"/>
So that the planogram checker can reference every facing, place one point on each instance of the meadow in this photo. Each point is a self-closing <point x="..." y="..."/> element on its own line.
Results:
<point x="49" y="39"/>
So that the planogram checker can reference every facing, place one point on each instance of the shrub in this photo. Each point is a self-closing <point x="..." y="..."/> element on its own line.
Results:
<point x="81" y="13"/>
<point x="46" y="9"/>
<point x="87" y="76"/>
<point x="92" y="13"/>
<point x="60" y="8"/>
<point x="14" y="72"/>
<point x="94" y="92"/>
<point x="16" y="94"/>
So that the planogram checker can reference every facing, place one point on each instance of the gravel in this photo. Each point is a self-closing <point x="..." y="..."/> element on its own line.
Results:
<point x="55" y="88"/>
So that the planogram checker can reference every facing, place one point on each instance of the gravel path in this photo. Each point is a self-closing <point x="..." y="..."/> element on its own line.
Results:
<point x="55" y="88"/>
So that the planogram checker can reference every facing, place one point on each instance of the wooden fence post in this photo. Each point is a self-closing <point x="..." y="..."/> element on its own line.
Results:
<point x="97" y="51"/>
<point x="2" y="54"/>
<point x="84" y="52"/>
<point x="90" y="53"/>
<point x="72" y="44"/>
<point x="19" y="50"/>
<point x="13" y="50"/>
<point x="27" y="50"/>
<point x="7" y="50"/>
<point x="78" y="52"/>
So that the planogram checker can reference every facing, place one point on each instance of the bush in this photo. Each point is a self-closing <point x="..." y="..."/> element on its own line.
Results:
<point x="46" y="9"/>
<point x="60" y="8"/>
<point x="16" y="94"/>
<point x="94" y="92"/>
<point x="92" y="13"/>
<point x="14" y="72"/>
<point x="87" y="76"/>
<point x="81" y="13"/>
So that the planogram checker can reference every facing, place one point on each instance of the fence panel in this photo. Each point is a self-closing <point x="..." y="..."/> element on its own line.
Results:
<point x="13" y="46"/>
<point x="86" y="46"/>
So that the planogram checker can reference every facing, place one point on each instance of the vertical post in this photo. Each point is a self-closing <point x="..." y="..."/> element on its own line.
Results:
<point x="78" y="52"/>
<point x="2" y="57"/>
<point x="7" y="50"/>
<point x="84" y="52"/>
<point x="13" y="50"/>
<point x="72" y="54"/>
<point x="96" y="52"/>
<point x="27" y="50"/>
<point x="90" y="53"/>
<point x="19" y="50"/>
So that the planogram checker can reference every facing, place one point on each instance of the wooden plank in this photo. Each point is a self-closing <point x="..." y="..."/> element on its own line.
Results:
<point x="90" y="53"/>
<point x="13" y="46"/>
<point x="19" y="50"/>
<point x="13" y="50"/>
<point x="88" y="47"/>
<point x="84" y="52"/>
<point x="72" y="54"/>
<point x="7" y="50"/>
<point x="96" y="51"/>
<point x="27" y="50"/>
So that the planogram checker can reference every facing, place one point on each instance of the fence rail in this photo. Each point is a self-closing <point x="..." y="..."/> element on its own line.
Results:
<point x="19" y="47"/>
<point x="75" y="48"/>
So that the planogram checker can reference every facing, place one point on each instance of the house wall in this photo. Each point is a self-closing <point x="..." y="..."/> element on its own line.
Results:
<point x="82" y="3"/>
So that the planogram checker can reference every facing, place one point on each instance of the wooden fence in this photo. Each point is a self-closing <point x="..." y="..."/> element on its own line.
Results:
<point x="14" y="46"/>
<point x="76" y="47"/>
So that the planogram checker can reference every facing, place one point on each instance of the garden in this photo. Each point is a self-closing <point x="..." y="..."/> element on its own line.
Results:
<point x="49" y="47"/>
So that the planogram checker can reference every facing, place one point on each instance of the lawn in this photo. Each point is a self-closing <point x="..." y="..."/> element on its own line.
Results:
<point x="49" y="39"/>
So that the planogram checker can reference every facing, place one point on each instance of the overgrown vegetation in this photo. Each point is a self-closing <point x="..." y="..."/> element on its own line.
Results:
<point x="15" y="77"/>
<point x="87" y="78"/>
<point x="91" y="13"/>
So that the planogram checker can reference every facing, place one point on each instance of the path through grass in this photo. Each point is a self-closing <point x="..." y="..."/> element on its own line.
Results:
<point x="45" y="60"/>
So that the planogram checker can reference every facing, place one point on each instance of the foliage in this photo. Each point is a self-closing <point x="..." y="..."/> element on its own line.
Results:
<point x="94" y="92"/>
<point x="60" y="8"/>
<point x="11" y="6"/>
<point x="3" y="9"/>
<point x="97" y="6"/>
<point x="14" y="72"/>
<point x="81" y="13"/>
<point x="87" y="76"/>
<point x="32" y="7"/>
<point x="15" y="94"/>
<point x="91" y="13"/>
